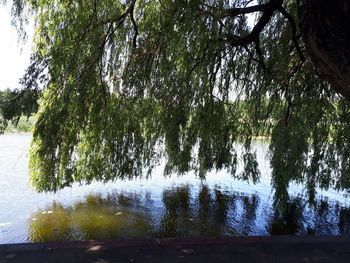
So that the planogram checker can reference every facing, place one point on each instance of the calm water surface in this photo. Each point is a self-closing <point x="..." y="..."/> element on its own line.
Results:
<point x="158" y="207"/>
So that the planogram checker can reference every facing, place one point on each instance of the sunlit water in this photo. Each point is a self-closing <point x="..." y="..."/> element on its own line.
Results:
<point x="158" y="207"/>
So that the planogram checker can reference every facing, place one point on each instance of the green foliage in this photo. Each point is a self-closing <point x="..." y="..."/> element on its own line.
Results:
<point x="127" y="82"/>
<point x="24" y="125"/>
<point x="16" y="104"/>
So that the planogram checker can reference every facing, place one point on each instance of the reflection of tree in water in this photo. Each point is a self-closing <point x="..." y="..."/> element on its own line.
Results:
<point x="299" y="218"/>
<point x="344" y="221"/>
<point x="177" y="216"/>
<point x="287" y="221"/>
<point x="250" y="204"/>
<point x="183" y="212"/>
<point x="212" y="213"/>
<point x="204" y="215"/>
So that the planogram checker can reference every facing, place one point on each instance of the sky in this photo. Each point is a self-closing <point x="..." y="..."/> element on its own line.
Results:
<point x="14" y="56"/>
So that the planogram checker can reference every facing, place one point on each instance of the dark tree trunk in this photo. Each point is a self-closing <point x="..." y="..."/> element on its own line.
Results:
<point x="325" y="26"/>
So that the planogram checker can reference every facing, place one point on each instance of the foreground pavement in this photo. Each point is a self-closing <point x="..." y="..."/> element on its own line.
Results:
<point x="241" y="249"/>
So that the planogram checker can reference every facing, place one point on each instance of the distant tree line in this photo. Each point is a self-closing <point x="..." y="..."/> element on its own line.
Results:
<point x="13" y="102"/>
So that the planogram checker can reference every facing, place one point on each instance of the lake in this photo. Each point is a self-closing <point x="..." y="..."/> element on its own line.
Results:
<point x="157" y="207"/>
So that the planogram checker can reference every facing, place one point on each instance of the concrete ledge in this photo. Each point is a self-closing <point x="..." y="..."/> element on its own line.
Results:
<point x="238" y="249"/>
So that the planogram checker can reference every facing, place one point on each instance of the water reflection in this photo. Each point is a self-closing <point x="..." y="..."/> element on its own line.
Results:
<point x="183" y="211"/>
<point x="116" y="215"/>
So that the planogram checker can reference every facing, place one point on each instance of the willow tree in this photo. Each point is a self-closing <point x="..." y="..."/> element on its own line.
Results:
<point x="122" y="84"/>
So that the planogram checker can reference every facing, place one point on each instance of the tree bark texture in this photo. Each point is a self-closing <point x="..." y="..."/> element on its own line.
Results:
<point x="325" y="26"/>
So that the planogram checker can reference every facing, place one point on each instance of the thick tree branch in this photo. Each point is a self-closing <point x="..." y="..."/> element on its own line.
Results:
<point x="260" y="54"/>
<point x="132" y="8"/>
<point x="269" y="10"/>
